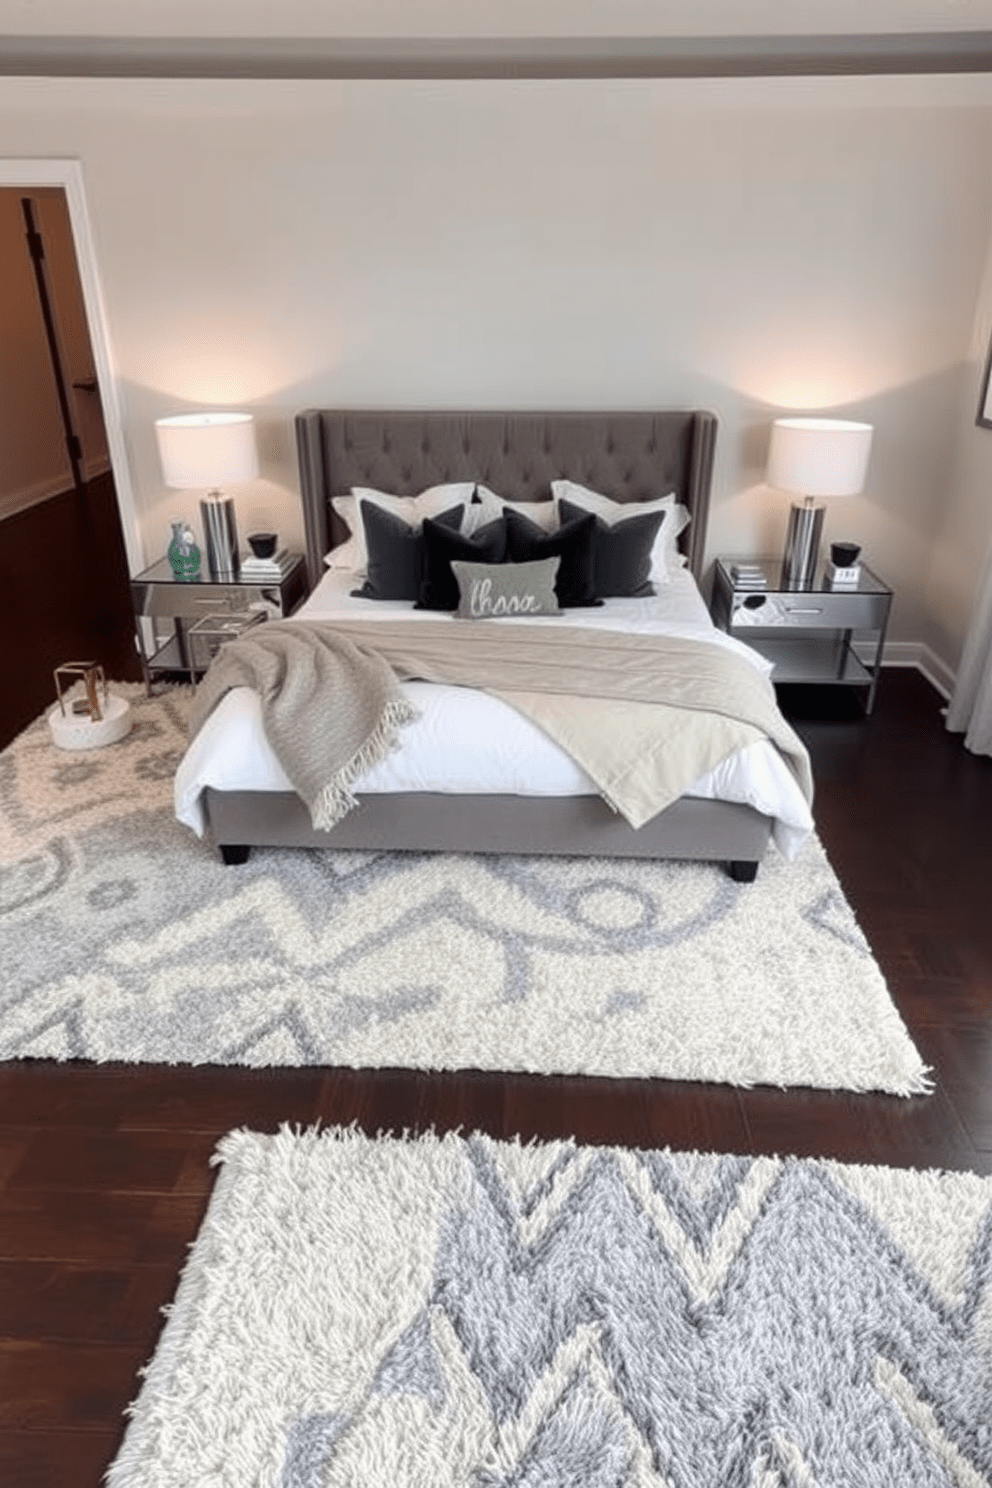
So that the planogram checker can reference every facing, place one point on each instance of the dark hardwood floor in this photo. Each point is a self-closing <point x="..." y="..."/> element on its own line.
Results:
<point x="104" y="1170"/>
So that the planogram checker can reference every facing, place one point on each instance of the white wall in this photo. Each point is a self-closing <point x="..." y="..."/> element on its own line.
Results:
<point x="749" y="247"/>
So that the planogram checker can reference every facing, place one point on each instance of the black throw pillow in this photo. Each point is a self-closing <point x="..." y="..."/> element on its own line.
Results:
<point x="438" y="584"/>
<point x="573" y="542"/>
<point x="621" y="552"/>
<point x="395" y="552"/>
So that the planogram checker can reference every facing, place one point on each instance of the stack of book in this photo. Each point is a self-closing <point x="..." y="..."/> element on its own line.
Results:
<point x="274" y="568"/>
<point x="748" y="576"/>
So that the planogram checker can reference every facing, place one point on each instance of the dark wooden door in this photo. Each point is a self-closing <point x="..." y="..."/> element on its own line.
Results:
<point x="63" y="569"/>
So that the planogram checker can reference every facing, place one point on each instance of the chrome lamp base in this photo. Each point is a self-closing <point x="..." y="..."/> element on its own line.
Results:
<point x="221" y="532"/>
<point x="802" y="544"/>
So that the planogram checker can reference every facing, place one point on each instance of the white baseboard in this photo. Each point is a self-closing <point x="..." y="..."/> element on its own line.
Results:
<point x="913" y="654"/>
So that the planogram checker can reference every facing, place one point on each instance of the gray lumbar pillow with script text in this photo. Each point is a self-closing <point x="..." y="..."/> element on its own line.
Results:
<point x="491" y="591"/>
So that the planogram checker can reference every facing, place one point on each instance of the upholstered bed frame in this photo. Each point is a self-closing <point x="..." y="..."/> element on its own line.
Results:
<point x="627" y="456"/>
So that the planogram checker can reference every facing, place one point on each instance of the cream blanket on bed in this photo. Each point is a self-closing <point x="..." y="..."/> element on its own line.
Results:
<point x="644" y="716"/>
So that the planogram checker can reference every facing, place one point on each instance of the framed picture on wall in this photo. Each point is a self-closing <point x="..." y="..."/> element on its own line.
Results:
<point x="985" y="401"/>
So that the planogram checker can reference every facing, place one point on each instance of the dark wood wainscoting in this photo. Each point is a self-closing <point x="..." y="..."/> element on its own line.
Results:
<point x="104" y="1171"/>
<point x="63" y="597"/>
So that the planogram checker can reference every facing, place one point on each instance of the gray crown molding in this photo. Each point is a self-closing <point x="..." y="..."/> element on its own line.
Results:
<point x="397" y="58"/>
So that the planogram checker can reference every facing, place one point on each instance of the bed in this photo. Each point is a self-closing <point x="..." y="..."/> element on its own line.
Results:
<point x="627" y="457"/>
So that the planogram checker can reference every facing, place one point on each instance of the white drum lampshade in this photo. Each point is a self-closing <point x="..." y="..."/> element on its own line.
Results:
<point x="203" y="452"/>
<point x="814" y="457"/>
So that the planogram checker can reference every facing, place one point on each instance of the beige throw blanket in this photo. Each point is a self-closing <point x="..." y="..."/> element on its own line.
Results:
<point x="331" y="709"/>
<point x="676" y="708"/>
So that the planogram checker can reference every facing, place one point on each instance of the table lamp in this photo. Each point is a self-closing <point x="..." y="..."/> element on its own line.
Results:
<point x="204" y="451"/>
<point x="814" y="457"/>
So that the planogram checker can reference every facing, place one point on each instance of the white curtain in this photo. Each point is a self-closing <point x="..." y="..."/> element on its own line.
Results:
<point x="970" y="710"/>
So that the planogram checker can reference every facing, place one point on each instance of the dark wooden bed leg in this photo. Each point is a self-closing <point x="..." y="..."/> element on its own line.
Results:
<point x="234" y="852"/>
<point x="742" y="870"/>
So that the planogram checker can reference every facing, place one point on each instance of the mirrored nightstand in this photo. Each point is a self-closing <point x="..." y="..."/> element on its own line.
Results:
<point x="157" y="595"/>
<point x="808" y="633"/>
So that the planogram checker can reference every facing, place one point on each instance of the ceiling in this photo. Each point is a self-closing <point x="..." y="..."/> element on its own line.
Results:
<point x="488" y="18"/>
<point x="493" y="38"/>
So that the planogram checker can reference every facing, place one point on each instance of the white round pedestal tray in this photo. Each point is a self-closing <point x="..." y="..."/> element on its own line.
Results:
<point x="79" y="731"/>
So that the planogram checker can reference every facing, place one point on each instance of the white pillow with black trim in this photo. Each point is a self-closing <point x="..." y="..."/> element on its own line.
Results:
<point x="665" y="555"/>
<point x="352" y="554"/>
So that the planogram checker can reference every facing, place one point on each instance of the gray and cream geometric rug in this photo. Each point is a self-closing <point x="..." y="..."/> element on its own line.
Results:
<point x="125" y="938"/>
<point x="458" y="1311"/>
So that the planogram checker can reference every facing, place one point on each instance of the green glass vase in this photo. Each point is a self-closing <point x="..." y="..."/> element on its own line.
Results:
<point x="184" y="555"/>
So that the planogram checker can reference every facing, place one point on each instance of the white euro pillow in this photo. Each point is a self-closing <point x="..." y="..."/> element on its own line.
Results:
<point x="489" y="508"/>
<point x="352" y="554"/>
<point x="665" y="555"/>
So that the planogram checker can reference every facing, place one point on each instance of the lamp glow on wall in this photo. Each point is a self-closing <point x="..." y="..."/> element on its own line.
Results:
<point x="203" y="452"/>
<point x="813" y="457"/>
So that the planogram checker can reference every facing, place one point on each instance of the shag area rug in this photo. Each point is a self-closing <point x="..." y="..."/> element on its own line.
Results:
<point x="455" y="1311"/>
<point x="125" y="938"/>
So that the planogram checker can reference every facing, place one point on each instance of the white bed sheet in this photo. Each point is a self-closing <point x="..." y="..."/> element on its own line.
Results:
<point x="468" y="743"/>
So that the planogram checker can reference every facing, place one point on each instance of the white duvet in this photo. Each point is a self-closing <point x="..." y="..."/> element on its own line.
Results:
<point x="468" y="743"/>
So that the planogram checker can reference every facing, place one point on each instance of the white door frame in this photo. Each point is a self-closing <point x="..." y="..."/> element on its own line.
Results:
<point x="69" y="175"/>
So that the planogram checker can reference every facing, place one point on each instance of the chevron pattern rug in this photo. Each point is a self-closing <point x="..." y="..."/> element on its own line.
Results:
<point x="125" y="938"/>
<point x="455" y="1311"/>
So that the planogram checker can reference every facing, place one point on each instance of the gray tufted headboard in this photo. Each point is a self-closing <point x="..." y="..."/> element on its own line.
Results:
<point x="627" y="456"/>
